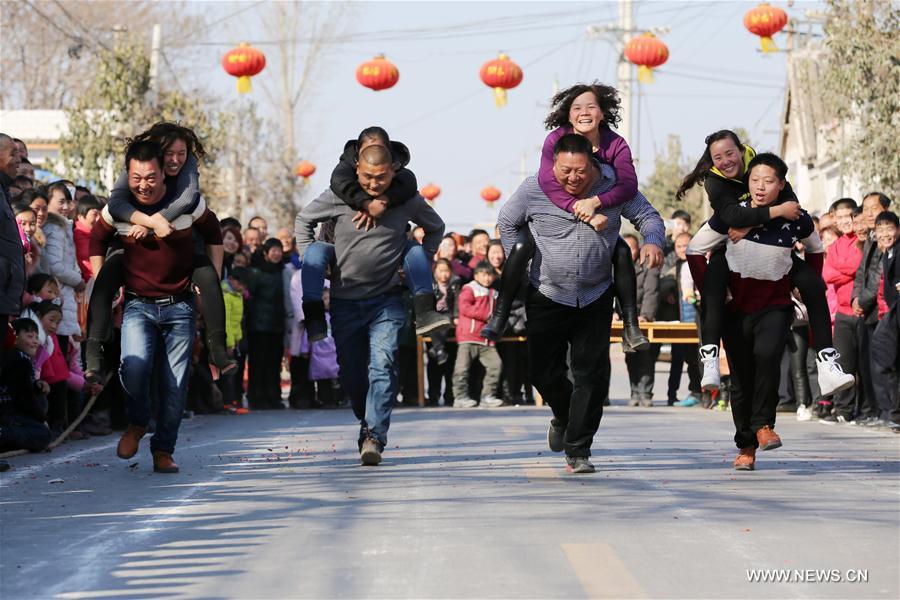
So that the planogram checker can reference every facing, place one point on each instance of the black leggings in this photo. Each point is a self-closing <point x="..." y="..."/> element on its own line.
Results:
<point x="204" y="276"/>
<point x="624" y="278"/>
<point x="803" y="277"/>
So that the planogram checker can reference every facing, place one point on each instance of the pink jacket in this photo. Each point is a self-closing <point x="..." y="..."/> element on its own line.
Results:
<point x="475" y="305"/>
<point x="840" y="269"/>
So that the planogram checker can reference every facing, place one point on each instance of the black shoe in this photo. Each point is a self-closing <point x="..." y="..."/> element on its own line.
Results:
<point x="633" y="339"/>
<point x="556" y="436"/>
<point x="786" y="408"/>
<point x="579" y="464"/>
<point x="495" y="327"/>
<point x="429" y="320"/>
<point x="314" y="320"/>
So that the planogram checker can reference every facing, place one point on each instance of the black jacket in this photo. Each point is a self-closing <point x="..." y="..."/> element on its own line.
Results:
<point x="265" y="311"/>
<point x="345" y="185"/>
<point x="21" y="396"/>
<point x="12" y="255"/>
<point x="867" y="281"/>
<point x="453" y="287"/>
<point x="891" y="274"/>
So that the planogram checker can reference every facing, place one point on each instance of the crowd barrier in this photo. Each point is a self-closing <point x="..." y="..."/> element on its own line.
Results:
<point x="658" y="332"/>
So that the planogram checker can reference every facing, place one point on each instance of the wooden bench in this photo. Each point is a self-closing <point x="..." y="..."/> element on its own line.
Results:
<point x="658" y="332"/>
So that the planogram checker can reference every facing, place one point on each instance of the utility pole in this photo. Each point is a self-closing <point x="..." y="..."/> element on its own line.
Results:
<point x="619" y="35"/>
<point x="154" y="63"/>
<point x="625" y="69"/>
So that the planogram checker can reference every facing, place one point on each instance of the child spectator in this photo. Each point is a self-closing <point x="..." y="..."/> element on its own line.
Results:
<point x="55" y="371"/>
<point x="23" y="407"/>
<point x="87" y="213"/>
<point x="475" y="305"/>
<point x="269" y="307"/>
<point x="59" y="259"/>
<point x="26" y="219"/>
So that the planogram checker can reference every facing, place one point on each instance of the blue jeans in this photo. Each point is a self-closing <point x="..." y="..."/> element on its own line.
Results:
<point x="156" y="348"/>
<point x="320" y="255"/>
<point x="366" y="333"/>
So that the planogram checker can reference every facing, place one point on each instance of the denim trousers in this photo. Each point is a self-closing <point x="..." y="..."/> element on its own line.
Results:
<point x="320" y="255"/>
<point x="366" y="333"/>
<point x="156" y="349"/>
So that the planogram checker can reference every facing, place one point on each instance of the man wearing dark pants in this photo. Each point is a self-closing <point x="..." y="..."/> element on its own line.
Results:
<point x="885" y="340"/>
<point x="366" y="300"/>
<point x="641" y="363"/>
<point x="569" y="302"/>
<point x="158" y="325"/>
<point x="866" y="286"/>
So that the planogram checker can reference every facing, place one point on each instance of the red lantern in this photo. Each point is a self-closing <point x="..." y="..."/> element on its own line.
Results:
<point x="647" y="52"/>
<point x="378" y="74"/>
<point x="304" y="169"/>
<point x="501" y="74"/>
<point x="243" y="62"/>
<point x="430" y="192"/>
<point x="765" y="21"/>
<point x="490" y="194"/>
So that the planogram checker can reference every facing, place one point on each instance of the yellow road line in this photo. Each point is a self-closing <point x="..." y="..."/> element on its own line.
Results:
<point x="601" y="572"/>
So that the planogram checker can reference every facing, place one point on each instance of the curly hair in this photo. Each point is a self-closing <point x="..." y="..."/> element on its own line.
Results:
<point x="164" y="133"/>
<point x="607" y="97"/>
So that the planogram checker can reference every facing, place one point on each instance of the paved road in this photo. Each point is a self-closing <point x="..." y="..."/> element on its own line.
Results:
<point x="468" y="504"/>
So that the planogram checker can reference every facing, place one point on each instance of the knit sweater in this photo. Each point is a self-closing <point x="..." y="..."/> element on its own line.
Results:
<point x="760" y="263"/>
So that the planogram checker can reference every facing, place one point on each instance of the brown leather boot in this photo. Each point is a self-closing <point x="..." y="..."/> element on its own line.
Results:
<point x="746" y="459"/>
<point x="130" y="440"/>
<point x="163" y="463"/>
<point x="768" y="439"/>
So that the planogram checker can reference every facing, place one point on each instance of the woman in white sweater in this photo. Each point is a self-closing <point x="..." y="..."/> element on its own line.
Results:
<point x="58" y="258"/>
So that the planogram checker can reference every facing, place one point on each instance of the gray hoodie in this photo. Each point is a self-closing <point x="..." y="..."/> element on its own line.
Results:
<point x="367" y="261"/>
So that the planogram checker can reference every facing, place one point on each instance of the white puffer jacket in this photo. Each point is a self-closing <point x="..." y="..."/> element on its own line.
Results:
<point x="58" y="259"/>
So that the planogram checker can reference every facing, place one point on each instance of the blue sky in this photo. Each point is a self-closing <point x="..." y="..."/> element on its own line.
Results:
<point x="715" y="78"/>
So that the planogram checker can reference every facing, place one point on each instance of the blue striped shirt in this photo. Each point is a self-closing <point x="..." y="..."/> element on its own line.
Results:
<point x="572" y="262"/>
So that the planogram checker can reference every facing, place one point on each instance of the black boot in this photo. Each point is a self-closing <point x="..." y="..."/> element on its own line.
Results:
<point x="513" y="273"/>
<point x="633" y="339"/>
<point x="94" y="371"/>
<point x="218" y="355"/>
<point x="314" y="318"/>
<point x="429" y="320"/>
<point x="625" y="281"/>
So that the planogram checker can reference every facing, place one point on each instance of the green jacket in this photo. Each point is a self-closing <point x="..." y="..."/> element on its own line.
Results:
<point x="234" y="314"/>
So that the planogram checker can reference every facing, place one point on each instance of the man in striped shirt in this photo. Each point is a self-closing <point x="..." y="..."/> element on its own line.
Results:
<point x="569" y="300"/>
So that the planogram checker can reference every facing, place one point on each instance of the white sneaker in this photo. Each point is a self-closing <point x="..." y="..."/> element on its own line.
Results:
<point x="803" y="413"/>
<point x="832" y="378"/>
<point x="464" y="403"/>
<point x="709" y="356"/>
<point x="491" y="402"/>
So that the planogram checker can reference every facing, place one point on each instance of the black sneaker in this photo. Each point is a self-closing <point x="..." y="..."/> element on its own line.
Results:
<point x="579" y="464"/>
<point x="370" y="453"/>
<point x="556" y="436"/>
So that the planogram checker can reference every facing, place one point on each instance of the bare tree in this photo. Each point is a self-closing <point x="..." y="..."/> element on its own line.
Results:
<point x="303" y="31"/>
<point x="49" y="46"/>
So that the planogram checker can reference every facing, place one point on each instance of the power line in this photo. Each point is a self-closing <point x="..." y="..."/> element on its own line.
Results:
<point x="207" y="26"/>
<point x="721" y="80"/>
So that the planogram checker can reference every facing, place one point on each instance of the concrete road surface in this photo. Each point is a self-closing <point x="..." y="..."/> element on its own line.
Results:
<point x="468" y="504"/>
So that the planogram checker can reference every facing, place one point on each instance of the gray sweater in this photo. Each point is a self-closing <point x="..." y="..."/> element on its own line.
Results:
<point x="367" y="261"/>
